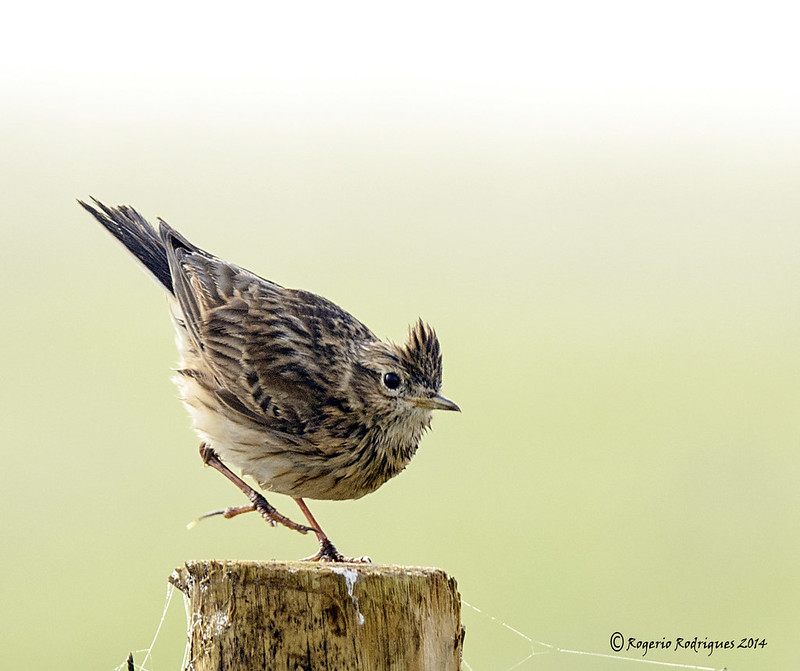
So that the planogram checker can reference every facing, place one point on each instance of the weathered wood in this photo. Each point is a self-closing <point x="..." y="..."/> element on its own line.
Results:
<point x="286" y="616"/>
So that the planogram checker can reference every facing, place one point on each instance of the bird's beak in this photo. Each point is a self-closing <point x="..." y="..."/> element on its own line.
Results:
<point x="437" y="402"/>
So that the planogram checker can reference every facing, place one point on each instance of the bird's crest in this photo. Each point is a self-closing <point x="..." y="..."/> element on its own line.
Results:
<point x="422" y="356"/>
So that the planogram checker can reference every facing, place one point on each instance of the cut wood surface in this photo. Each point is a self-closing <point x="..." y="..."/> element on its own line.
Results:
<point x="326" y="617"/>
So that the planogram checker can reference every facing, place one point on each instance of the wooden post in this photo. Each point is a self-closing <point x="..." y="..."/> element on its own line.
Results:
<point x="286" y="616"/>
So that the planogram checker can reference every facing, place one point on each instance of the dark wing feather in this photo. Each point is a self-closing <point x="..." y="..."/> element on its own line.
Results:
<point x="277" y="355"/>
<point x="183" y="255"/>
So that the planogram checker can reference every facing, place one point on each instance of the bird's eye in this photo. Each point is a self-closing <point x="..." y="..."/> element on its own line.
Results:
<point x="391" y="381"/>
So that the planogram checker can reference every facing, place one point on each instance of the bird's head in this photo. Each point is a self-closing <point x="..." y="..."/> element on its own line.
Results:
<point x="402" y="382"/>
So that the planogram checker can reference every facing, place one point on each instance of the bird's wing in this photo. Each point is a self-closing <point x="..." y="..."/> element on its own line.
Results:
<point x="277" y="355"/>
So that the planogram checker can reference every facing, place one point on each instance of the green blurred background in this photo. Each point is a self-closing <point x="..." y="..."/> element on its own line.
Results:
<point x="597" y="209"/>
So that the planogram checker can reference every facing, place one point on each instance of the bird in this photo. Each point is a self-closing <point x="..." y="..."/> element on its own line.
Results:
<point x="283" y="384"/>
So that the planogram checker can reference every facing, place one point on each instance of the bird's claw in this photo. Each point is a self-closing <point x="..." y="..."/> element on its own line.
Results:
<point x="272" y="516"/>
<point x="328" y="553"/>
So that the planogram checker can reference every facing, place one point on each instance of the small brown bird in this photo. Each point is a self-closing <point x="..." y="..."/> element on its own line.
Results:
<point x="284" y="384"/>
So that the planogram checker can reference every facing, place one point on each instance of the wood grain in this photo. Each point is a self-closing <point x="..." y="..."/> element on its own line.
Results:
<point x="327" y="617"/>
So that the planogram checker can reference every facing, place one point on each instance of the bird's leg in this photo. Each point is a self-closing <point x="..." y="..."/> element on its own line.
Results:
<point x="327" y="550"/>
<point x="257" y="501"/>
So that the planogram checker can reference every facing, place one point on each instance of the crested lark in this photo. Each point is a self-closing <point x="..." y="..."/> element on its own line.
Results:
<point x="283" y="384"/>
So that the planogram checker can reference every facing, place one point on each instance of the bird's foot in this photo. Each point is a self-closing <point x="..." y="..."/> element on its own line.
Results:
<point x="227" y="513"/>
<point x="272" y="516"/>
<point x="269" y="513"/>
<point x="328" y="553"/>
<point x="257" y="501"/>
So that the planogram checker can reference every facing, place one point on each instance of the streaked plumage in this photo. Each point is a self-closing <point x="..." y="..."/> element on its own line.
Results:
<point x="281" y="383"/>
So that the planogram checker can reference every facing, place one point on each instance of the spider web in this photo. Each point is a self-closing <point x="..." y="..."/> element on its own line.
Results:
<point x="539" y="648"/>
<point x="131" y="665"/>
<point x="532" y="648"/>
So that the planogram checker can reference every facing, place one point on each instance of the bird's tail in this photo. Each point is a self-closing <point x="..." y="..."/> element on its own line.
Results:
<point x="140" y="238"/>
